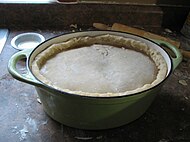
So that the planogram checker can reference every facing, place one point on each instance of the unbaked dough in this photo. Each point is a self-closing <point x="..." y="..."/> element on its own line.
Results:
<point x="94" y="66"/>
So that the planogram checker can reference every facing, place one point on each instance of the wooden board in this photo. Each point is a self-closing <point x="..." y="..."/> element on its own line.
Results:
<point x="125" y="28"/>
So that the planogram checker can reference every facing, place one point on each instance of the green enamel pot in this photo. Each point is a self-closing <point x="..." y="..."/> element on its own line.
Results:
<point x="86" y="112"/>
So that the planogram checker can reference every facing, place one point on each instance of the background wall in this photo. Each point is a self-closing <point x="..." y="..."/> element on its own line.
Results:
<point x="55" y="15"/>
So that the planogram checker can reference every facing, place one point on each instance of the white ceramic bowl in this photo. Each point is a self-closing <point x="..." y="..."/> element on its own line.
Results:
<point x="27" y="40"/>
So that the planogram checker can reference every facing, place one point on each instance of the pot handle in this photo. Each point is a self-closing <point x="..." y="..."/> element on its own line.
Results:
<point x="178" y="56"/>
<point x="27" y="77"/>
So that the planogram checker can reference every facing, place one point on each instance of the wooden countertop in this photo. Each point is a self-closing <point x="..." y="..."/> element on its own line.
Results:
<point x="23" y="119"/>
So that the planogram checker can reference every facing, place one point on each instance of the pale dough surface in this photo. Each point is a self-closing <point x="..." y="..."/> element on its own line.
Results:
<point x="100" y="69"/>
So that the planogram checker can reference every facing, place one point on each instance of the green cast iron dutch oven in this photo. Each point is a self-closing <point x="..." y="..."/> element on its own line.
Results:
<point x="86" y="112"/>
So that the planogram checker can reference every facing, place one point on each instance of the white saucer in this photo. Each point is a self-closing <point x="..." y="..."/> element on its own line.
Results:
<point x="27" y="40"/>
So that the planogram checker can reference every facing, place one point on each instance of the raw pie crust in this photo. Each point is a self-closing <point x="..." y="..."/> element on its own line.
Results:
<point x="91" y="60"/>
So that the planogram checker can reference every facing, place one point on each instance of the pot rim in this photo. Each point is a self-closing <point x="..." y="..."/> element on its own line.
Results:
<point x="102" y="97"/>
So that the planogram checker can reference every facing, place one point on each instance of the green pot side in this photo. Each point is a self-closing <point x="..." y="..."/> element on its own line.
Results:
<point x="95" y="113"/>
